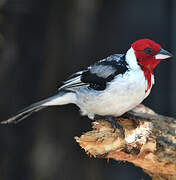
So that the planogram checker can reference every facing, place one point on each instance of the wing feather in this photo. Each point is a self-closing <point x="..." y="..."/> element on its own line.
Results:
<point x="73" y="82"/>
<point x="97" y="75"/>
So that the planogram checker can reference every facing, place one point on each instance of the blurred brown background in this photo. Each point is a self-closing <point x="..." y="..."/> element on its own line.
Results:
<point x="41" y="43"/>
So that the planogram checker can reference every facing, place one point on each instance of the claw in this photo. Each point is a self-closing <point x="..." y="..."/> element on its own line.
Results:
<point x="113" y="122"/>
<point x="116" y="125"/>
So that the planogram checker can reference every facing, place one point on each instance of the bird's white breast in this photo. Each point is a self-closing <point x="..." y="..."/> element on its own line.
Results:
<point x="123" y="94"/>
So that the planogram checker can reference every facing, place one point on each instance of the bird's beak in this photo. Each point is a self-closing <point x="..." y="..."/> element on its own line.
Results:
<point x="163" y="54"/>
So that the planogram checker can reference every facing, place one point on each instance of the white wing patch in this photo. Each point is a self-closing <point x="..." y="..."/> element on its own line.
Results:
<point x="102" y="70"/>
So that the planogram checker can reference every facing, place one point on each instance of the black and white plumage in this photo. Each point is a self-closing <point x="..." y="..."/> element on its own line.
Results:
<point x="94" y="89"/>
<point x="98" y="75"/>
<point x="110" y="87"/>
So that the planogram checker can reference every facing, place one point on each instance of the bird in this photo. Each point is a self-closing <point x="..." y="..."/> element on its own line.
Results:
<point x="108" y="88"/>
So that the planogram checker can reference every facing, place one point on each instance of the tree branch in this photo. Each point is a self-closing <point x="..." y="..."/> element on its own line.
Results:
<point x="150" y="145"/>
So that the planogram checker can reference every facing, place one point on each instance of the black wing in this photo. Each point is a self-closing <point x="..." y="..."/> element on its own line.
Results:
<point x="97" y="75"/>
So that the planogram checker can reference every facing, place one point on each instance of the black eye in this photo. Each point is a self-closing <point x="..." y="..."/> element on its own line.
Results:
<point x="148" y="51"/>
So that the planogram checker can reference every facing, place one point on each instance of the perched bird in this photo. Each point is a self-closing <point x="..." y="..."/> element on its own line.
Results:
<point x="110" y="87"/>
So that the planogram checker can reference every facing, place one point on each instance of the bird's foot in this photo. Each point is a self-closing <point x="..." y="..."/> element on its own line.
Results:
<point x="115" y="125"/>
<point x="133" y="118"/>
<point x="113" y="122"/>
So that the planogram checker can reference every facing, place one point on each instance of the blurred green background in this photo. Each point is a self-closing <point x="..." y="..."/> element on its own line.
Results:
<point x="42" y="42"/>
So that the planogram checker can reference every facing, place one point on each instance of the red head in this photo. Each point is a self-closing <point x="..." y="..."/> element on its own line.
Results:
<point x="149" y="54"/>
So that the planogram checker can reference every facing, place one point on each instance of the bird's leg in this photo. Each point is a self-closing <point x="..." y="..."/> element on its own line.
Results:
<point x="113" y="122"/>
<point x="115" y="125"/>
<point x="98" y="117"/>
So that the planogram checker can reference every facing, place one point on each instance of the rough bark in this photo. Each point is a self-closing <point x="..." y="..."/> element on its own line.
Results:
<point x="150" y="145"/>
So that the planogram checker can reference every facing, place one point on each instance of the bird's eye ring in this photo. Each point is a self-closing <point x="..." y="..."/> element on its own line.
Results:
<point x="148" y="51"/>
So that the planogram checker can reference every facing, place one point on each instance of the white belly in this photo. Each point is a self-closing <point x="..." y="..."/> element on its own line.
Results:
<point x="122" y="95"/>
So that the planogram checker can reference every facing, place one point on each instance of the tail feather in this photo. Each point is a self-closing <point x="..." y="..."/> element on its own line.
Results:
<point x="58" y="99"/>
<point x="22" y="115"/>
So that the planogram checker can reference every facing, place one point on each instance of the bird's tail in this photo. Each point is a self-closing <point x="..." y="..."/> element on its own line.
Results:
<point x="59" y="99"/>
